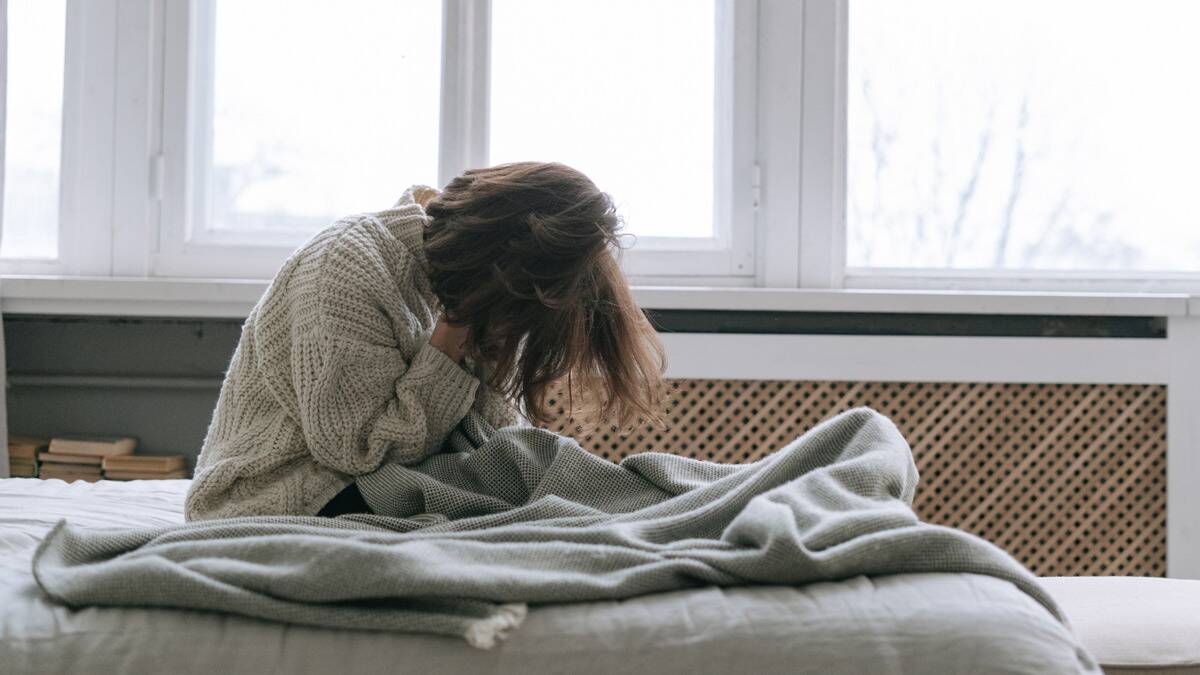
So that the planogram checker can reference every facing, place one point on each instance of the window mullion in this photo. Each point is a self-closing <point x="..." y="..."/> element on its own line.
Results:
<point x="823" y="145"/>
<point x="735" y="156"/>
<point x="138" y="118"/>
<point x="88" y="143"/>
<point x="778" y="143"/>
<point x="181" y="47"/>
<point x="466" y="73"/>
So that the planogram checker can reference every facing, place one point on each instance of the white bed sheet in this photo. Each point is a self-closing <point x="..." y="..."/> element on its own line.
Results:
<point x="920" y="623"/>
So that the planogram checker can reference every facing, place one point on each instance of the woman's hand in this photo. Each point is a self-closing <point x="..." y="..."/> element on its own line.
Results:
<point x="449" y="339"/>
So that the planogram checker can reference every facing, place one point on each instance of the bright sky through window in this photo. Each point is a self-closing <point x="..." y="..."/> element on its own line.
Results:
<point x="1033" y="134"/>
<point x="321" y="109"/>
<point x="33" y="134"/>
<point x="622" y="90"/>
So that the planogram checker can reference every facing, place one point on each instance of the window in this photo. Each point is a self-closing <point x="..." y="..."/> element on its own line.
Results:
<point x="33" y="128"/>
<point x="1023" y="136"/>
<point x="943" y="144"/>
<point x="338" y="116"/>
<point x="352" y="103"/>
<point x="639" y="121"/>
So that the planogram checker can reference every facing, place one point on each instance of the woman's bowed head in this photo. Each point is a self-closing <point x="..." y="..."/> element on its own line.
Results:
<point x="522" y="259"/>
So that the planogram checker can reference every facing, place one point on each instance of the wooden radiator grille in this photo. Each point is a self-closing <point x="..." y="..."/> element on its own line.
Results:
<point x="1069" y="479"/>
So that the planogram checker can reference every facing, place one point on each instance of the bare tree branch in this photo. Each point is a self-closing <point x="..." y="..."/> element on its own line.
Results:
<point x="881" y="138"/>
<point x="967" y="194"/>
<point x="1014" y="193"/>
<point x="1052" y="222"/>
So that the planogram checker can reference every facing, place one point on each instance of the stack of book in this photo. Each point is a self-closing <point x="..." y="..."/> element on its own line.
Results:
<point x="72" y="458"/>
<point x="22" y="455"/>
<point x="144" y="467"/>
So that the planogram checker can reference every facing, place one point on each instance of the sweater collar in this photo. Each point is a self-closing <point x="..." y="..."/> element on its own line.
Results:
<point x="410" y="231"/>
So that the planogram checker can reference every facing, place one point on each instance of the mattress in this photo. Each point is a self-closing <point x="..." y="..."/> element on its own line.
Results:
<point x="911" y="623"/>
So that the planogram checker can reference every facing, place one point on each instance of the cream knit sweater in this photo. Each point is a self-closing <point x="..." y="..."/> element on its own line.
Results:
<point x="334" y="374"/>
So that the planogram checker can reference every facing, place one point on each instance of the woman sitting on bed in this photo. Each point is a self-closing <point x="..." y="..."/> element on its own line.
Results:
<point x="381" y="333"/>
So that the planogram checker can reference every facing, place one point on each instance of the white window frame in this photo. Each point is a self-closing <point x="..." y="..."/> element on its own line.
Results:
<point x="780" y="148"/>
<point x="801" y="143"/>
<point x="729" y="255"/>
<point x="727" y="258"/>
<point x="822" y="231"/>
<point x="85" y="185"/>
<point x="178" y="169"/>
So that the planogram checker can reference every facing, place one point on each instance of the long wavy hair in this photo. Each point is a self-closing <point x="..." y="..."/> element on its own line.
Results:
<point x="524" y="256"/>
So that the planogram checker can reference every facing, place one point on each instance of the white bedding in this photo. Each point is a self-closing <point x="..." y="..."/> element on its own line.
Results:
<point x="944" y="623"/>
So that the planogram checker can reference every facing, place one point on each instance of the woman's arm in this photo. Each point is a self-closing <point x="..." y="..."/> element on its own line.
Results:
<point x="359" y="399"/>
<point x="361" y="404"/>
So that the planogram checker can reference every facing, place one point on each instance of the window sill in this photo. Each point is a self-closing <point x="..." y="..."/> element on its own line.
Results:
<point x="226" y="298"/>
<point x="129" y="296"/>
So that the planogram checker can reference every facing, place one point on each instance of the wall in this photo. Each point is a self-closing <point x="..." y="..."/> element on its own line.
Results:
<point x="156" y="379"/>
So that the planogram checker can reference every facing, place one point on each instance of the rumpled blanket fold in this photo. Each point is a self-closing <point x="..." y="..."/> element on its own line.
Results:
<point x="467" y="539"/>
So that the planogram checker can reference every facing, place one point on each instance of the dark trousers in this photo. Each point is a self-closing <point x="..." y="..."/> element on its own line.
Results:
<point x="349" y="500"/>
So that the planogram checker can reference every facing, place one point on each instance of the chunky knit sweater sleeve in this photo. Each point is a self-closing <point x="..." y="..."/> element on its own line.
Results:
<point x="362" y="404"/>
<point x="367" y="385"/>
<point x="334" y="374"/>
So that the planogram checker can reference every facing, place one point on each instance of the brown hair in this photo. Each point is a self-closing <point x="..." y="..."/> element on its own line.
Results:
<point x="523" y="256"/>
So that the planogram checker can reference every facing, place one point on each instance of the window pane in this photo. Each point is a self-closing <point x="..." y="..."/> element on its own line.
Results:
<point x="320" y="110"/>
<point x="1035" y="134"/>
<point x="619" y="89"/>
<point x="33" y="133"/>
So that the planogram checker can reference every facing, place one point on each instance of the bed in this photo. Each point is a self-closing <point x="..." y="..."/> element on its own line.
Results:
<point x="945" y="623"/>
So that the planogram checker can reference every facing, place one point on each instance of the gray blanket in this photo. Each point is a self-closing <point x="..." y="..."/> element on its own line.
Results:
<point x="530" y="517"/>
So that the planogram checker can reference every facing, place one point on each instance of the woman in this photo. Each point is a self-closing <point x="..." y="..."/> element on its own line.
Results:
<point x="380" y="334"/>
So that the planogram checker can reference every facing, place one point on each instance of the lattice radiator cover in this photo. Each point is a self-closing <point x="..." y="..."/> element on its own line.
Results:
<point x="1070" y="479"/>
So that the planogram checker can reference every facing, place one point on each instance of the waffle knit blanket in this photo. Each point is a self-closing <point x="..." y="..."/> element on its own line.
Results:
<point x="467" y="539"/>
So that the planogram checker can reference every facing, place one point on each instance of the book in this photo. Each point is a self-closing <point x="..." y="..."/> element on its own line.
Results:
<point x="69" y="477"/>
<point x="60" y="458"/>
<point x="145" y="475"/>
<point x="144" y="463"/>
<point x="22" y="468"/>
<point x="69" y="472"/>
<point x="25" y="447"/>
<point x="103" y="446"/>
<point x="82" y="469"/>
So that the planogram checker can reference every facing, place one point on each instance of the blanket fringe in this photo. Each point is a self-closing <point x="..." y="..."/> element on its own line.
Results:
<point x="485" y="633"/>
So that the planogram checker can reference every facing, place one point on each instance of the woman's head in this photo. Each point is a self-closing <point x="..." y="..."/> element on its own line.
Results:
<point x="523" y="256"/>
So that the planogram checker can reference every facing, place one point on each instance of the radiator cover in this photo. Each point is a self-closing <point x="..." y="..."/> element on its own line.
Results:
<point x="1068" y="478"/>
